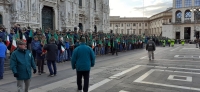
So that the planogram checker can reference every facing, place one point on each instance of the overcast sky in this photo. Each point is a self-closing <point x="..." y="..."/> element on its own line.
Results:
<point x="134" y="8"/>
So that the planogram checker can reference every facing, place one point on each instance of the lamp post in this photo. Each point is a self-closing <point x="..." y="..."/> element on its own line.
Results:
<point x="195" y="10"/>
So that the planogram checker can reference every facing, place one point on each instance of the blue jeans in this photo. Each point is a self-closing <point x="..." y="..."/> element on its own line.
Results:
<point x="1" y="67"/>
<point x="102" y="51"/>
<point x="65" y="55"/>
<point x="60" y="56"/>
<point x="49" y="63"/>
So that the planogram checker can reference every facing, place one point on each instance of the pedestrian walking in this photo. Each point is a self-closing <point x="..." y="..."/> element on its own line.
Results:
<point x="21" y="63"/>
<point x="151" y="47"/>
<point x="51" y="56"/>
<point x="3" y="50"/>
<point x="83" y="59"/>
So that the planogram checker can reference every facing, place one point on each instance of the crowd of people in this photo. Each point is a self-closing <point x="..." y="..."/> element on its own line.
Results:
<point x="36" y="46"/>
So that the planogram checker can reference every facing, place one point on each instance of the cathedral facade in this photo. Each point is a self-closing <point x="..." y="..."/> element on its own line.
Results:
<point x="85" y="15"/>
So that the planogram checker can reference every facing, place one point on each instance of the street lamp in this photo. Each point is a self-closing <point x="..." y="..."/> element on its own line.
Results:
<point x="195" y="10"/>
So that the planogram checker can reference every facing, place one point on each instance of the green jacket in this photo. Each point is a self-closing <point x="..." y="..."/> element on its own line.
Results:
<point x="21" y="62"/>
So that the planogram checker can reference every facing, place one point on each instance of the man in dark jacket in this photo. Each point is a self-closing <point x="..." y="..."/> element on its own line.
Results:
<point x="52" y="52"/>
<point x="151" y="47"/>
<point x="83" y="59"/>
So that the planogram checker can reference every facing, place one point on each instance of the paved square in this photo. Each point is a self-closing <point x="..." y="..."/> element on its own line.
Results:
<point x="167" y="78"/>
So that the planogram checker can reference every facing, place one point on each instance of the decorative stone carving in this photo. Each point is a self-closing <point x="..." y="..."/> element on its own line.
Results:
<point x="63" y="18"/>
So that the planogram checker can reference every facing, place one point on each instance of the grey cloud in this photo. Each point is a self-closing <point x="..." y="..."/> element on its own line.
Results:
<point x="159" y="8"/>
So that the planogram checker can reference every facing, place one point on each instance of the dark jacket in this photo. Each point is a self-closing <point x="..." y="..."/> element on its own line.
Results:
<point x="52" y="51"/>
<point x="35" y="45"/>
<point x="59" y="44"/>
<point x="39" y="53"/>
<point x="21" y="62"/>
<point x="83" y="58"/>
<point x="150" y="46"/>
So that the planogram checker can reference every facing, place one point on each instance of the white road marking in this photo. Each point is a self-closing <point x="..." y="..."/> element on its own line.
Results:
<point x="173" y="86"/>
<point x="99" y="84"/>
<point x="141" y="78"/>
<point x="174" y="49"/>
<point x="190" y="48"/>
<point x="163" y="67"/>
<point x="111" y="78"/>
<point x="144" y="76"/>
<point x="123" y="91"/>
<point x="143" y="57"/>
<point x="188" y="78"/>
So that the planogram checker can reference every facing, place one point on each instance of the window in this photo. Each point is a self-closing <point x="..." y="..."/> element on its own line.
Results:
<point x="1" y="21"/>
<point x="178" y="16"/>
<point x="140" y="24"/>
<point x="110" y="25"/>
<point x="127" y="31"/>
<point x="122" y="25"/>
<point x="187" y="15"/>
<point x="197" y="2"/>
<point x="170" y="20"/>
<point x="133" y="31"/>
<point x="178" y="3"/>
<point x="133" y="24"/>
<point x="145" y="24"/>
<point x="95" y="6"/>
<point x="80" y="3"/>
<point x="188" y="3"/>
<point x="140" y="31"/>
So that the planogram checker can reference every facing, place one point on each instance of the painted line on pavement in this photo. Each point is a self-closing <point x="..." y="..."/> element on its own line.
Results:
<point x="72" y="79"/>
<point x="190" y="48"/>
<point x="162" y="67"/>
<point x="174" y="49"/>
<point x="123" y="91"/>
<point x="141" y="78"/>
<point x="111" y="78"/>
<point x="143" y="57"/>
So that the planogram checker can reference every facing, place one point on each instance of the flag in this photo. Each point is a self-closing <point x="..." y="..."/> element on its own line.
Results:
<point x="14" y="45"/>
<point x="109" y="44"/>
<point x="31" y="33"/>
<point x="56" y="36"/>
<point x="24" y="38"/>
<point x="62" y="38"/>
<point x="7" y="40"/>
<point x="93" y="43"/>
<point x="62" y="49"/>
<point x="43" y="32"/>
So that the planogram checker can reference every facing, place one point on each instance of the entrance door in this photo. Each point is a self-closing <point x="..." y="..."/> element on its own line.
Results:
<point x="187" y="32"/>
<point x="47" y="17"/>
<point x="177" y="35"/>
<point x="1" y="21"/>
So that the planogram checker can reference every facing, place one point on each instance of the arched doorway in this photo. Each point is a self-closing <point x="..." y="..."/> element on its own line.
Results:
<point x="1" y="21"/>
<point x="80" y="25"/>
<point x="47" y="17"/>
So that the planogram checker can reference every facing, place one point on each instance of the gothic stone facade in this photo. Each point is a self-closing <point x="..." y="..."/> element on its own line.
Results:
<point x="86" y="15"/>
